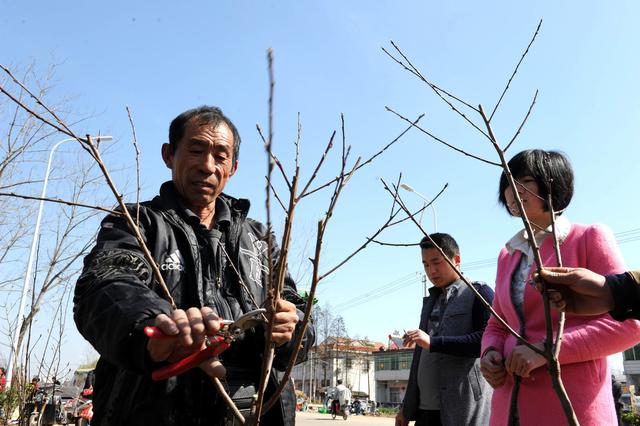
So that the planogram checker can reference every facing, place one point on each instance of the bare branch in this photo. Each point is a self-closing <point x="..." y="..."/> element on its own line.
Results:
<point x="137" y="149"/>
<point x="389" y="223"/>
<point x="393" y="244"/>
<point x="303" y="193"/>
<point x="273" y="157"/>
<point x="439" y="92"/>
<point x="297" y="143"/>
<point x="437" y="139"/>
<point x="515" y="71"/>
<point x="373" y="157"/>
<point x="413" y="70"/>
<point x="272" y="288"/>
<point x="58" y="200"/>
<point x="526" y="117"/>
<point x="275" y="194"/>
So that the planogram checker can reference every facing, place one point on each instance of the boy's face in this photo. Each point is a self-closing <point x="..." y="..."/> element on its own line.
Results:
<point x="437" y="269"/>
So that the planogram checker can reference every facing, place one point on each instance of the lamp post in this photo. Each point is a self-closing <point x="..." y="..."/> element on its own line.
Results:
<point x="15" y="351"/>
<point x="409" y="188"/>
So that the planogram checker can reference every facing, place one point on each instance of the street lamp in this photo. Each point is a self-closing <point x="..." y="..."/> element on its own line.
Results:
<point x="14" y="351"/>
<point x="426" y="201"/>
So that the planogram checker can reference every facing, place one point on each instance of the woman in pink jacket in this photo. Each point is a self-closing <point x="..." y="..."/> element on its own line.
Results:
<point x="515" y="371"/>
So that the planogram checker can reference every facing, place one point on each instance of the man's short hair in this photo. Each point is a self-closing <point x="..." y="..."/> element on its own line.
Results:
<point x="445" y="241"/>
<point x="206" y="115"/>
<point x="339" y="381"/>
<point x="548" y="168"/>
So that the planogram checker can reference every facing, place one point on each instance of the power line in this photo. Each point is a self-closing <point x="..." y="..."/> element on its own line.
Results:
<point x="621" y="237"/>
<point x="380" y="291"/>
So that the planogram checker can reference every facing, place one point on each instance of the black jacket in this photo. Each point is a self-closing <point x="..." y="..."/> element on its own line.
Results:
<point x="116" y="297"/>
<point x="625" y="289"/>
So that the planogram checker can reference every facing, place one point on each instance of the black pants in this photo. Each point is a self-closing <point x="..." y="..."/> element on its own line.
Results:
<point x="428" y="418"/>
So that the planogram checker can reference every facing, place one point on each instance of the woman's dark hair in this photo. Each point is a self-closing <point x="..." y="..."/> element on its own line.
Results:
<point x="205" y="114"/>
<point x="551" y="171"/>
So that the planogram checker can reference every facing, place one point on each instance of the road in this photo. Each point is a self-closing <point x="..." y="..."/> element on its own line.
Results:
<point x="310" y="419"/>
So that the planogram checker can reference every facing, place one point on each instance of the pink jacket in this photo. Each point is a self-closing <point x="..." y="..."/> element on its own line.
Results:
<point x="586" y="343"/>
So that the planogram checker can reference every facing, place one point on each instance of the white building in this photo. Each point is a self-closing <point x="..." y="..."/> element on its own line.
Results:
<point x="337" y="358"/>
<point x="392" y="366"/>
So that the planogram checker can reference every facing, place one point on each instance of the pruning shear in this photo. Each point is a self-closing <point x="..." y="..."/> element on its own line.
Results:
<point x="215" y="345"/>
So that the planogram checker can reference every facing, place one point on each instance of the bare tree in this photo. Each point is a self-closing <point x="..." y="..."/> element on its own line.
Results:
<point x="462" y="108"/>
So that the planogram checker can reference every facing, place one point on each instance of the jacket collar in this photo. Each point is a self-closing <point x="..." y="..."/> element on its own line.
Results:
<point x="520" y="241"/>
<point x="227" y="207"/>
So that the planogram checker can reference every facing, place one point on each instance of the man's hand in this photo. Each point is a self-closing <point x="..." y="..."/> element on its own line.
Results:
<point x="578" y="291"/>
<point x="492" y="368"/>
<point x="401" y="420"/>
<point x="417" y="337"/>
<point x="284" y="322"/>
<point x="523" y="360"/>
<point x="189" y="328"/>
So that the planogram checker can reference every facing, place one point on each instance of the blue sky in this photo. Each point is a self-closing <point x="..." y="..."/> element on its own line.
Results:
<point x="163" y="57"/>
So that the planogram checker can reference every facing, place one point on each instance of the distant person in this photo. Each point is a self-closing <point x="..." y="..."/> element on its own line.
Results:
<point x="583" y="292"/>
<point x="3" y="379"/>
<point x="342" y="395"/>
<point x="516" y="371"/>
<point x="445" y="385"/>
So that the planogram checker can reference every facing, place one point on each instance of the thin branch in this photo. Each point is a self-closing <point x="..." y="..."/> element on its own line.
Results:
<point x="389" y="223"/>
<point x="364" y="163"/>
<point x="137" y="149"/>
<point x="438" y="91"/>
<point x="277" y="197"/>
<point x="526" y="117"/>
<point x="60" y="201"/>
<point x="327" y="148"/>
<point x="413" y="70"/>
<point x="271" y="299"/>
<point x="393" y="244"/>
<point x="227" y="399"/>
<point x="340" y="184"/>
<point x="297" y="143"/>
<point x="515" y="71"/>
<point x="273" y="157"/>
<point x="437" y="139"/>
<point x="393" y="204"/>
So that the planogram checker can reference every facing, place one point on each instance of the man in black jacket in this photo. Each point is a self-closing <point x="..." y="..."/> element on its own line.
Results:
<point x="214" y="260"/>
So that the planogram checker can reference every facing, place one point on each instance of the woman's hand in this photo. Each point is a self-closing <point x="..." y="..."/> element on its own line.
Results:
<point x="523" y="360"/>
<point x="492" y="368"/>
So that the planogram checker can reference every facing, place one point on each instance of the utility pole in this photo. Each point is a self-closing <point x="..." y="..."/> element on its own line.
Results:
<point x="424" y="285"/>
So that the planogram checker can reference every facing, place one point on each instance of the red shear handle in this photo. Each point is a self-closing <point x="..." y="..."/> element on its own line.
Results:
<point x="217" y="346"/>
<point x="155" y="333"/>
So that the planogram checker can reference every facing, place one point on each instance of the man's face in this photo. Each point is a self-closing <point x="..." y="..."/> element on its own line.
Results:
<point x="437" y="269"/>
<point x="202" y="163"/>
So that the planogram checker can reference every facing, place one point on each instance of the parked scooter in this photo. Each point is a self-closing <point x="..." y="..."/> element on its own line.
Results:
<point x="44" y="407"/>
<point x="80" y="409"/>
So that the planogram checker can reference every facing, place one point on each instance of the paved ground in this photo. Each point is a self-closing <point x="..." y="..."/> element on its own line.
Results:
<point x="310" y="419"/>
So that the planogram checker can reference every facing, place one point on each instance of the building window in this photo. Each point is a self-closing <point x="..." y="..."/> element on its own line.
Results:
<point x="394" y="361"/>
<point x="632" y="354"/>
<point x="348" y="363"/>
